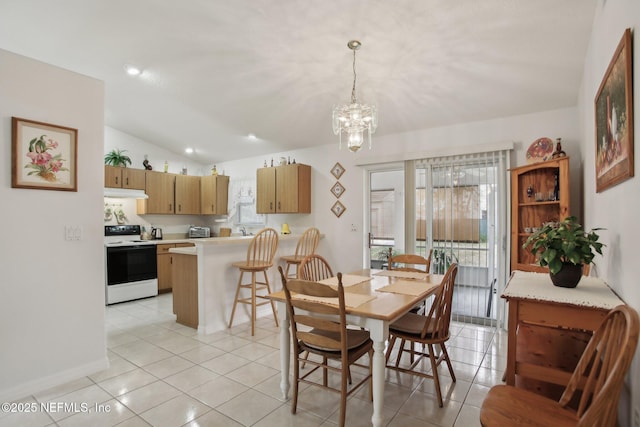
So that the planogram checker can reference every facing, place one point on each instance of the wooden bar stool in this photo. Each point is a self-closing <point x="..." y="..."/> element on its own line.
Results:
<point x="260" y="255"/>
<point x="306" y="246"/>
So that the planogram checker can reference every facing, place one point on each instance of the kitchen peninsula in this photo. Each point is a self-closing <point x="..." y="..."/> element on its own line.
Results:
<point x="217" y="280"/>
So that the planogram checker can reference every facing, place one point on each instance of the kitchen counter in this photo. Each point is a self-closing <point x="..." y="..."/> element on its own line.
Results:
<point x="188" y="250"/>
<point x="218" y="279"/>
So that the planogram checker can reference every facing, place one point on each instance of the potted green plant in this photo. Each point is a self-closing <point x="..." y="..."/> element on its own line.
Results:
<point x="564" y="247"/>
<point x="117" y="157"/>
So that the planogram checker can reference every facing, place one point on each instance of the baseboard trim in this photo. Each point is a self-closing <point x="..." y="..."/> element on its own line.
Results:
<point x="30" y="387"/>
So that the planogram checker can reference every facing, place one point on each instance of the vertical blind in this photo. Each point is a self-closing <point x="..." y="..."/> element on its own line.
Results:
<point x="461" y="214"/>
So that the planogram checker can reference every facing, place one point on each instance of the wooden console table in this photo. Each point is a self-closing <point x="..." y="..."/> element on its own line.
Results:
<point x="549" y="328"/>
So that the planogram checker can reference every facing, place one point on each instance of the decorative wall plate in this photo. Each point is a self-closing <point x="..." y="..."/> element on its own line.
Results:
<point x="540" y="150"/>
<point x="337" y="170"/>
<point x="337" y="189"/>
<point x="338" y="209"/>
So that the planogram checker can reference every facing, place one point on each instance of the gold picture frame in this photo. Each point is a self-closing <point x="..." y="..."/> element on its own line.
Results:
<point x="43" y="156"/>
<point x="337" y="189"/>
<point x="338" y="209"/>
<point x="337" y="170"/>
<point x="614" y="119"/>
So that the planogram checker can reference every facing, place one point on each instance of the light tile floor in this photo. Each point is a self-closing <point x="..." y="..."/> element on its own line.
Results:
<point x="165" y="374"/>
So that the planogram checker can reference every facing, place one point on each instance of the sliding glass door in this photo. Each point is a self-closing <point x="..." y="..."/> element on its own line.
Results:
<point x="386" y="214"/>
<point x="460" y="213"/>
<point x="455" y="209"/>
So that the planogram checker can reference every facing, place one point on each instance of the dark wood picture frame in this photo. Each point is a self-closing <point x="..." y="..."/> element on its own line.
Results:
<point x="614" y="119"/>
<point x="43" y="156"/>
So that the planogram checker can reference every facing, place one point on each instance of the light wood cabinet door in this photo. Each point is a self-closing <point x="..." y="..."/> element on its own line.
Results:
<point x="133" y="178"/>
<point x="293" y="189"/>
<point x="266" y="190"/>
<point x="187" y="196"/>
<point x="214" y="194"/>
<point x="185" y="289"/>
<point x="164" y="267"/>
<point x="160" y="187"/>
<point x="112" y="176"/>
<point x="284" y="189"/>
<point x="533" y="202"/>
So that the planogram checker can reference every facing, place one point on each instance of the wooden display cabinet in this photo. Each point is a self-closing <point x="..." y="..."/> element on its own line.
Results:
<point x="284" y="189"/>
<point x="529" y="211"/>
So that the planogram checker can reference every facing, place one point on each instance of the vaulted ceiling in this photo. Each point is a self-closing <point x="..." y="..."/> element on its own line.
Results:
<point x="215" y="71"/>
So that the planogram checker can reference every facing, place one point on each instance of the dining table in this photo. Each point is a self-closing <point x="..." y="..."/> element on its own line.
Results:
<point x="373" y="300"/>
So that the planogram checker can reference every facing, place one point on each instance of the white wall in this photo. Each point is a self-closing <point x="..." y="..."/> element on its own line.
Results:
<point x="345" y="252"/>
<point x="615" y="208"/>
<point x="52" y="303"/>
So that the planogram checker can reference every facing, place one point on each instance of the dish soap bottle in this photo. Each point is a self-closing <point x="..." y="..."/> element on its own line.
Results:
<point x="166" y="166"/>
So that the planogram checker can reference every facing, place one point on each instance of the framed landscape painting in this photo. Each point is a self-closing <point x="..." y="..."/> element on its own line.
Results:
<point x="614" y="119"/>
<point x="43" y="156"/>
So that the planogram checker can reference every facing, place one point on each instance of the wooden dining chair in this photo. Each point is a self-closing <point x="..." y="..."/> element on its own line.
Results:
<point x="593" y="391"/>
<point x="429" y="329"/>
<point x="307" y="244"/>
<point x="260" y="254"/>
<point x="320" y="328"/>
<point x="315" y="268"/>
<point x="410" y="262"/>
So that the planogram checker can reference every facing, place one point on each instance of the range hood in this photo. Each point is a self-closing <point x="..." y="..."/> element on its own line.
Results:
<point x="124" y="193"/>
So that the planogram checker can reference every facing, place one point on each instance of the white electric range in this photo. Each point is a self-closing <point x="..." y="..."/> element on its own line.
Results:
<point x="130" y="264"/>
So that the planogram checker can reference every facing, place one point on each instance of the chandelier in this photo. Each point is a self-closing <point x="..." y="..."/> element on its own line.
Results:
<point x="354" y="119"/>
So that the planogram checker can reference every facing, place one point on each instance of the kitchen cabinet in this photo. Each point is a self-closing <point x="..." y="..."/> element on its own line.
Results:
<point x="539" y="194"/>
<point x="187" y="195"/>
<point x="185" y="290"/>
<point x="284" y="189"/>
<point x="170" y="194"/>
<point x="119" y="177"/>
<point x="160" y="187"/>
<point x="164" y="265"/>
<point x="214" y="193"/>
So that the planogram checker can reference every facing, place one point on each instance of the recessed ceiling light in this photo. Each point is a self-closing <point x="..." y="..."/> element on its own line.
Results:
<point x="188" y="150"/>
<point x="252" y="136"/>
<point x="132" y="70"/>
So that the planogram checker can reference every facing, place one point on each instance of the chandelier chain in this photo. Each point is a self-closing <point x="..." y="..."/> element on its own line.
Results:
<point x="353" y="90"/>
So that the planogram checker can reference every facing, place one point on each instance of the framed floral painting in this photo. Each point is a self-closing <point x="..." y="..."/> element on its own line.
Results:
<point x="43" y="156"/>
<point x="614" y="119"/>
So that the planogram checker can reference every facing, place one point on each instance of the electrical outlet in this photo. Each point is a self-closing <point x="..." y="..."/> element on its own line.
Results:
<point x="354" y="227"/>
<point x="72" y="232"/>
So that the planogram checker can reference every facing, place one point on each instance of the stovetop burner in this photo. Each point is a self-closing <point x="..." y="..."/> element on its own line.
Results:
<point x="123" y="235"/>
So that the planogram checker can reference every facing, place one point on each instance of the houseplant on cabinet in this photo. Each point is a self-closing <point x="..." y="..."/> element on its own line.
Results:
<point x="564" y="247"/>
<point x="117" y="157"/>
